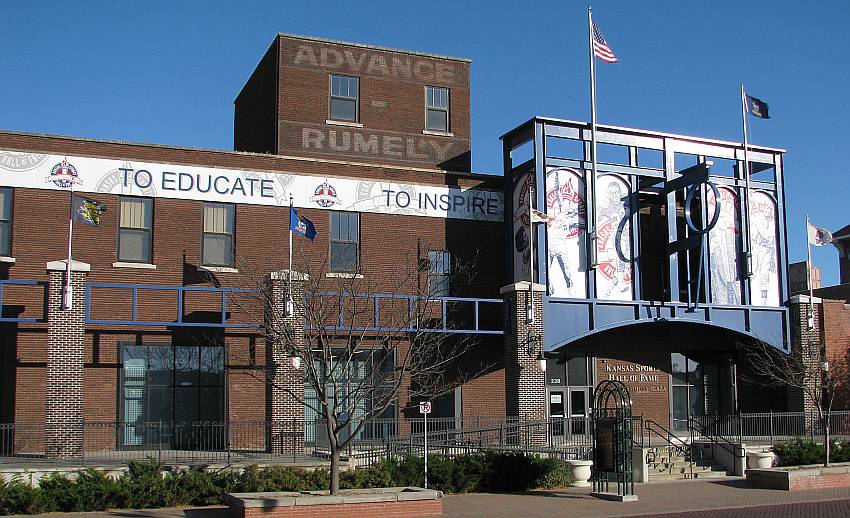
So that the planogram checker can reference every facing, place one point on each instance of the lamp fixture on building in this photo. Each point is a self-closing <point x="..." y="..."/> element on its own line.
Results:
<point x="535" y="343"/>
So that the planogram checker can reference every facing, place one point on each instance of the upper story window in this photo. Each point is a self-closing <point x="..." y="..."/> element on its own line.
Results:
<point x="439" y="272"/>
<point x="436" y="108"/>
<point x="345" y="93"/>
<point x="218" y="247"/>
<point x="5" y="221"/>
<point x="134" y="229"/>
<point x="345" y="242"/>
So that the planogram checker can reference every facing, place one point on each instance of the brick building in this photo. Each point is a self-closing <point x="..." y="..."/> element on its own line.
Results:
<point x="373" y="146"/>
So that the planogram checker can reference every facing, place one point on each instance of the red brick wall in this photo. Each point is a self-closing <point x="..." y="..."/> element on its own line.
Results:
<point x="391" y="104"/>
<point x="836" y="335"/>
<point x="366" y="510"/>
<point x="261" y="240"/>
<point x="646" y="374"/>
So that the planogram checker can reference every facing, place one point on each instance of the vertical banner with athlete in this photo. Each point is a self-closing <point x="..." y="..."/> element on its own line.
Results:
<point x="724" y="249"/>
<point x="565" y="205"/>
<point x="613" y="238"/>
<point x="763" y="236"/>
<point x="522" y="229"/>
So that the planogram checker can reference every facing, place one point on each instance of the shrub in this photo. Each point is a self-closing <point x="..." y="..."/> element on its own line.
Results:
<point x="147" y="485"/>
<point x="800" y="452"/>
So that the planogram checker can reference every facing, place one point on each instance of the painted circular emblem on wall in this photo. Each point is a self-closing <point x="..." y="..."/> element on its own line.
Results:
<point x="17" y="161"/>
<point x="64" y="175"/>
<point x="325" y="195"/>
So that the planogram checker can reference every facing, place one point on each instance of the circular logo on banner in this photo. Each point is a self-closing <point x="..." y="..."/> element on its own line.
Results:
<point x="325" y="195"/>
<point x="64" y="175"/>
<point x="17" y="161"/>
<point x="523" y="191"/>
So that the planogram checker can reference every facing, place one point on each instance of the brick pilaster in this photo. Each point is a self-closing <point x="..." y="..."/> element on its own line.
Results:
<point x="808" y="342"/>
<point x="63" y="419"/>
<point x="525" y="388"/>
<point x="286" y="412"/>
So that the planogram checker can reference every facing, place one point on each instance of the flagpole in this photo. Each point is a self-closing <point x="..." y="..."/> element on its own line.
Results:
<point x="591" y="234"/>
<point x="289" y="307"/>
<point x="530" y="317"/>
<point x="811" y="319"/>
<point x="748" y="254"/>
<point x="66" y="292"/>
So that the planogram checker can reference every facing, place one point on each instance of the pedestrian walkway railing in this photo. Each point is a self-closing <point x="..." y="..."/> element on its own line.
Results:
<point x="245" y="441"/>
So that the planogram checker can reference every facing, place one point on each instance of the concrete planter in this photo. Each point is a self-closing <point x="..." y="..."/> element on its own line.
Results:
<point x="399" y="502"/>
<point x="580" y="472"/>
<point x="760" y="459"/>
<point x="793" y="478"/>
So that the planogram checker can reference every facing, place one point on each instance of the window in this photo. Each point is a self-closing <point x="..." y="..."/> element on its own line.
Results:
<point x="436" y="108"/>
<point x="345" y="91"/>
<point x="345" y="242"/>
<point x="218" y="234"/>
<point x="5" y="221"/>
<point x="134" y="229"/>
<point x="166" y="390"/>
<point x="439" y="272"/>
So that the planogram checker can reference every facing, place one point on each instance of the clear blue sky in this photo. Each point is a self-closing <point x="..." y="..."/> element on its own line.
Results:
<point x="168" y="72"/>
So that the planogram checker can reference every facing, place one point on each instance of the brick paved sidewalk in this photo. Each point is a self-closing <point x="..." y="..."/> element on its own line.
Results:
<point x="670" y="499"/>
<point x="656" y="498"/>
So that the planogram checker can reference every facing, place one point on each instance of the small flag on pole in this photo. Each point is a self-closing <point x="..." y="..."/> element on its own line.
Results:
<point x="85" y="210"/>
<point x="301" y="225"/>
<point x="818" y="236"/>
<point x="757" y="107"/>
<point x="600" y="47"/>
<point x="539" y="217"/>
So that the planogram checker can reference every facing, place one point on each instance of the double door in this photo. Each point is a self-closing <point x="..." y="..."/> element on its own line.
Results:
<point x="568" y="410"/>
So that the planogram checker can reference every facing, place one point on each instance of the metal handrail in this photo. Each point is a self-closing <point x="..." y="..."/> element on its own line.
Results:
<point x="653" y="427"/>
<point x="716" y="438"/>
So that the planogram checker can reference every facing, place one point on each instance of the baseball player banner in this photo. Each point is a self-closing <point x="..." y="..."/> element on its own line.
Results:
<point x="565" y="236"/>
<point x="765" y="280"/>
<point x="614" y="235"/>
<point x="724" y="247"/>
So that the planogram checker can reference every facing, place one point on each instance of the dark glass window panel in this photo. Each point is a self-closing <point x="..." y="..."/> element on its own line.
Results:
<point x="555" y="372"/>
<point x="134" y="245"/>
<point x="437" y="120"/>
<point x="578" y="403"/>
<point x="160" y="364"/>
<point x="680" y="403"/>
<point x="5" y="203"/>
<point x="344" y="257"/>
<point x="577" y="371"/>
<point x="211" y="404"/>
<point x="218" y="250"/>
<point x="160" y="405"/>
<point x="5" y="238"/>
<point x="186" y="366"/>
<point x="679" y="369"/>
<point x="212" y="365"/>
<point x="344" y="110"/>
<point x="185" y="406"/>
<point x="696" y="396"/>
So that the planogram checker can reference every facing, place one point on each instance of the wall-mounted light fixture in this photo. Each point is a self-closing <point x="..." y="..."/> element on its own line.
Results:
<point x="534" y="346"/>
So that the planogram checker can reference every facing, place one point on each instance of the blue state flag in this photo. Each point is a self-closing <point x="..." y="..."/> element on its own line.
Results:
<point x="301" y="225"/>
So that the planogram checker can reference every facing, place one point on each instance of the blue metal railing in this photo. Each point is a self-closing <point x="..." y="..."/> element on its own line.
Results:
<point x="4" y="283"/>
<point x="411" y="300"/>
<point x="179" y="320"/>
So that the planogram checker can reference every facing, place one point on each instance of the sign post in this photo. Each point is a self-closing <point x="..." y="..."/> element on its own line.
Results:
<point x="425" y="409"/>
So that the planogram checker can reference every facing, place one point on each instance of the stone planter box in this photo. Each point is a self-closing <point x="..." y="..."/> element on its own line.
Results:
<point x="794" y="478"/>
<point x="580" y="472"/>
<point x="399" y="502"/>
<point x="760" y="459"/>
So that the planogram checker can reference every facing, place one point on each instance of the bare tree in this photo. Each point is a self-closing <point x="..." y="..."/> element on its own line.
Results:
<point x="819" y="377"/>
<point x="367" y="340"/>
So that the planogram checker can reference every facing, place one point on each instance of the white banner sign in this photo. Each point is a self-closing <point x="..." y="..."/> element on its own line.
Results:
<point x="97" y="175"/>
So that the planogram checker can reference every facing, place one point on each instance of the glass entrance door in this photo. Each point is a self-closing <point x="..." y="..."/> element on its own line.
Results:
<point x="701" y="388"/>
<point x="578" y="411"/>
<point x="557" y="412"/>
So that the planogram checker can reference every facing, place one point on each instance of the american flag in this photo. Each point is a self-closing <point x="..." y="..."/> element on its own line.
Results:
<point x="600" y="47"/>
